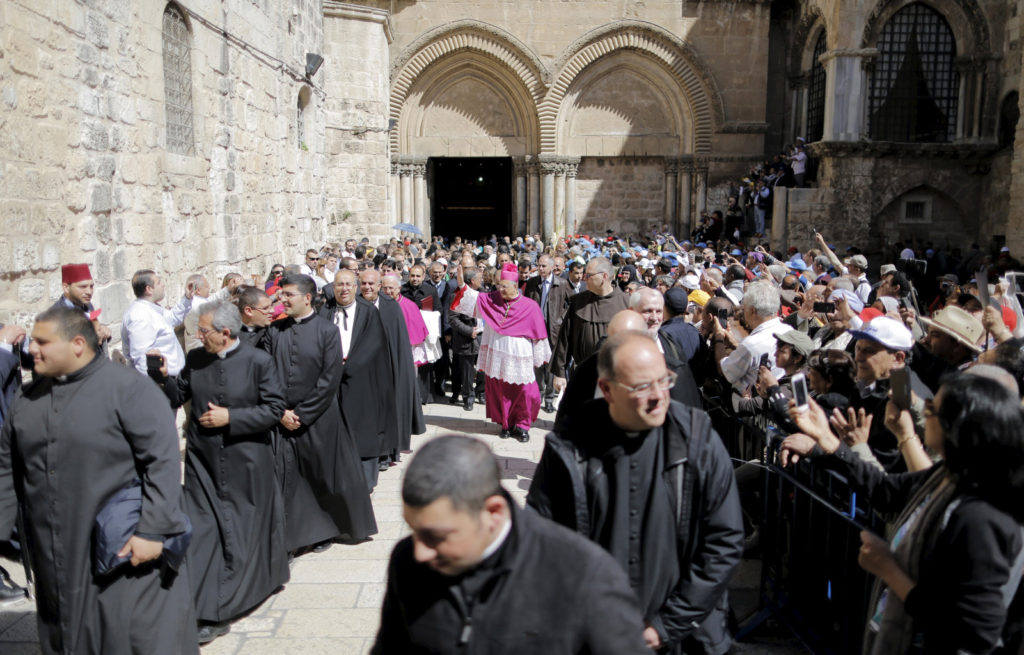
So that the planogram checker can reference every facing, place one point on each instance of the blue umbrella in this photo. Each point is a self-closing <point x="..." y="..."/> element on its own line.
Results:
<point x="407" y="227"/>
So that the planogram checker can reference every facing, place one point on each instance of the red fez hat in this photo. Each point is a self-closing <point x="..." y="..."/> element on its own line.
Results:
<point x="71" y="273"/>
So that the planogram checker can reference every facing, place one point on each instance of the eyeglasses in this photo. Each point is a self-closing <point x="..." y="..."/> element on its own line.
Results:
<point x="206" y="330"/>
<point x="291" y="294"/>
<point x="277" y="272"/>
<point x="647" y="388"/>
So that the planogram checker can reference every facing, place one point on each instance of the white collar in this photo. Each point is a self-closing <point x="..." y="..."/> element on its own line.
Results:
<point x="224" y="353"/>
<point x="500" y="539"/>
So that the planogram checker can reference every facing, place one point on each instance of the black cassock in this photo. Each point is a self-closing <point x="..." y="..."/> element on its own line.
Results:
<point x="237" y="557"/>
<point x="366" y="380"/>
<point x="67" y="447"/>
<point x="325" y="493"/>
<point x="408" y="413"/>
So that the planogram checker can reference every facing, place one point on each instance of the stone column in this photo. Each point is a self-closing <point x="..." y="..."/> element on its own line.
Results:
<point x="395" y="191"/>
<point x="419" y="172"/>
<point x="846" y="93"/>
<point x="547" y="209"/>
<point x="571" y="169"/>
<point x="559" y="199"/>
<point x="685" y="224"/>
<point x="702" y="189"/>
<point x="533" y="195"/>
<point x="521" y="173"/>
<point x="407" y="203"/>
<point x="671" y="175"/>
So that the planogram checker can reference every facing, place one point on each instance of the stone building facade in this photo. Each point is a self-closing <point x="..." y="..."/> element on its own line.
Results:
<point x="190" y="136"/>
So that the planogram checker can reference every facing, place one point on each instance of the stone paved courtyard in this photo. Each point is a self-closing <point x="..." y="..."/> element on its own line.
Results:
<point x="332" y="603"/>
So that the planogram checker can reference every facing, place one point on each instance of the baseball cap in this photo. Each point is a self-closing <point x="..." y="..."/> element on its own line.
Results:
<point x="852" y="299"/>
<point x="860" y="261"/>
<point x="699" y="297"/>
<point x="799" y="340"/>
<point x="690" y="281"/>
<point x="889" y="332"/>
<point x="676" y="300"/>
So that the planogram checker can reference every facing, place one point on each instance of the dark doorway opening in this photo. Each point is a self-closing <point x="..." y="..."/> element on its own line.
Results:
<point x="472" y="198"/>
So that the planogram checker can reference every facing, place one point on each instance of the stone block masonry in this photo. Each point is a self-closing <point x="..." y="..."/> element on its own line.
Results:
<point x="85" y="171"/>
<point x="619" y="193"/>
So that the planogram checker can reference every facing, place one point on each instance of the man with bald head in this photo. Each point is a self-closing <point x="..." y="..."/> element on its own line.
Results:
<point x="408" y="415"/>
<point x="660" y="490"/>
<point x="586" y="318"/>
<point x="366" y="375"/>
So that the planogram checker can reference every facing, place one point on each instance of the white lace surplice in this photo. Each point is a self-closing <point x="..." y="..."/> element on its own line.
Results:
<point x="510" y="359"/>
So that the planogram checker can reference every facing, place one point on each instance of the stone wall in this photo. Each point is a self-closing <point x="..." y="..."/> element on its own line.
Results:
<point x="85" y="175"/>
<point x="619" y="193"/>
<point x="356" y="116"/>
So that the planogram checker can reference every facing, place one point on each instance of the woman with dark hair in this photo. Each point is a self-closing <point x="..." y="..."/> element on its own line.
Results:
<point x="957" y="547"/>
<point x="830" y="378"/>
<point x="626" y="275"/>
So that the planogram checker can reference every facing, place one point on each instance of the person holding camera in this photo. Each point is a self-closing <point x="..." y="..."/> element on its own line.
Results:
<point x="147" y="326"/>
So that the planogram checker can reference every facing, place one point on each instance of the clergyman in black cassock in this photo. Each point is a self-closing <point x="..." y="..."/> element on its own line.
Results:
<point x="367" y="410"/>
<point x="407" y="412"/>
<point x="79" y="434"/>
<point x="238" y="557"/>
<point x="325" y="493"/>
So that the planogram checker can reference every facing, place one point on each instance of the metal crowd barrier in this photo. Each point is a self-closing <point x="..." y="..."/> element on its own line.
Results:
<point x="809" y="531"/>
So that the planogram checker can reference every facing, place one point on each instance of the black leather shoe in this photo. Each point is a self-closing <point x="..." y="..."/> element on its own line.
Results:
<point x="468" y="404"/>
<point x="211" y="631"/>
<point x="548" y="406"/>
<point x="11" y="595"/>
<point x="505" y="433"/>
<point x="454" y="400"/>
<point x="383" y="466"/>
<point x="521" y="435"/>
<point x="322" y="546"/>
<point x="480" y="399"/>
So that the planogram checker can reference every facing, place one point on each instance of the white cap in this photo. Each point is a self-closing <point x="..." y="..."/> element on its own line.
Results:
<point x="887" y="331"/>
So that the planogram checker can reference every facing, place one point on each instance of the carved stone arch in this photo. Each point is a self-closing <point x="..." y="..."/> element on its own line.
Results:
<point x="923" y="180"/>
<point x="677" y="57"/>
<point x="467" y="36"/>
<point x="805" y="36"/>
<point x="965" y="18"/>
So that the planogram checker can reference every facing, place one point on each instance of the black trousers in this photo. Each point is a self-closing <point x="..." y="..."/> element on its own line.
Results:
<point x="545" y="382"/>
<point x="371" y="469"/>
<point x="465" y="368"/>
<point x="425" y="375"/>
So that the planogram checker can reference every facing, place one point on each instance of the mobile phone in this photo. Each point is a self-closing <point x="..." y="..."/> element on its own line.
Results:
<point x="154" y="362"/>
<point x="723" y="318"/>
<point x="899" y="383"/>
<point x="764" y="360"/>
<point x="824" y="307"/>
<point x="800" y="394"/>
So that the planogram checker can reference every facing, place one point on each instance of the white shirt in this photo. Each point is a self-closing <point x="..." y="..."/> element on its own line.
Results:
<point x="740" y="367"/>
<point x="192" y="318"/>
<point x="345" y="332"/>
<point x="799" y="162"/>
<point x="148" y="326"/>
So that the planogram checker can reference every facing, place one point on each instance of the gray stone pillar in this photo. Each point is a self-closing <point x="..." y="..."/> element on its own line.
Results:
<point x="571" y="169"/>
<point x="394" y="190"/>
<point x="522" y="226"/>
<point x="547" y="209"/>
<point x="406" y="203"/>
<point x="846" y="94"/>
<point x="559" y="199"/>
<point x="419" y="172"/>
<point x="671" y="175"/>
<point x="685" y="224"/>
<point x="533" y="195"/>
<point x="702" y="189"/>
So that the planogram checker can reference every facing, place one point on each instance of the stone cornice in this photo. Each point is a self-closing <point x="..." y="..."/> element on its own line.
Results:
<point x="743" y="127"/>
<point x="336" y="9"/>
<point x="863" y="53"/>
<point x="964" y="151"/>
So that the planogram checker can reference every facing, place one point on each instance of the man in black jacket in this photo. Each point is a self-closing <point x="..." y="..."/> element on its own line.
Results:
<point x="478" y="575"/>
<point x="649" y="480"/>
<point x="465" y="348"/>
<point x="552" y="294"/>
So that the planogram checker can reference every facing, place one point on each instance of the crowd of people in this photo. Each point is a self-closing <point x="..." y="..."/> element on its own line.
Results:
<point x="298" y="389"/>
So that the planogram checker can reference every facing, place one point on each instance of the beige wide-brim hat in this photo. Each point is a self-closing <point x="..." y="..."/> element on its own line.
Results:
<point x="959" y="324"/>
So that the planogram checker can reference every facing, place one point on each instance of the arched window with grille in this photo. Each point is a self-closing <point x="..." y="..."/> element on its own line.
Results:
<point x="816" y="93"/>
<point x="177" y="50"/>
<point x="914" y="85"/>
